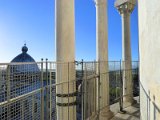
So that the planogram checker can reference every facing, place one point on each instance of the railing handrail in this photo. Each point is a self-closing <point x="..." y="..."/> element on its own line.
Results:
<point x="55" y="62"/>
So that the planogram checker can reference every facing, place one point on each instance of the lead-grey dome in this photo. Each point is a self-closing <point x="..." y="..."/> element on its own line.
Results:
<point x="24" y="56"/>
<point x="29" y="63"/>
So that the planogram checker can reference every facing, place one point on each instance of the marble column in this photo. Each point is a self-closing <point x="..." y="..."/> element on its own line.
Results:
<point x="125" y="8"/>
<point x="102" y="58"/>
<point x="65" y="57"/>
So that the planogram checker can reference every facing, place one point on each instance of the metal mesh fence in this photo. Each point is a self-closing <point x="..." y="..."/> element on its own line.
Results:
<point x="116" y="74"/>
<point x="29" y="90"/>
<point x="23" y="108"/>
<point x="115" y="81"/>
<point x="20" y="93"/>
<point x="89" y="90"/>
<point x="3" y="83"/>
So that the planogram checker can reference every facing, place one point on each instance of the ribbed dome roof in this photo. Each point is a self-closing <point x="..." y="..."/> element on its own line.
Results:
<point x="23" y="57"/>
<point x="26" y="67"/>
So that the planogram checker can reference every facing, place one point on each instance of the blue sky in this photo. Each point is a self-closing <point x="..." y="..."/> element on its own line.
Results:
<point x="33" y="21"/>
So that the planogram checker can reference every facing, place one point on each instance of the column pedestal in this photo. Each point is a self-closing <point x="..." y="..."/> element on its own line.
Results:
<point x="106" y="114"/>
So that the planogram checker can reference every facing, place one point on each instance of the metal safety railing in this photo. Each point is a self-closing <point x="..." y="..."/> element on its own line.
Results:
<point x="28" y="90"/>
<point x="116" y="74"/>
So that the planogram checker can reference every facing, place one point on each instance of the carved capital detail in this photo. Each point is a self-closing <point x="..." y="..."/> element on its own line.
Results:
<point x="126" y="8"/>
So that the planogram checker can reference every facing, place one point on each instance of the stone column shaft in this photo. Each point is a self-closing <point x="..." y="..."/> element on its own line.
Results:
<point x="125" y="8"/>
<point x="102" y="57"/>
<point x="126" y="58"/>
<point x="102" y="51"/>
<point x="65" y="56"/>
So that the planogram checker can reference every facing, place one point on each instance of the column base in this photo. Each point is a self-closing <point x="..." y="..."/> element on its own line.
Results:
<point x="106" y="114"/>
<point x="93" y="117"/>
<point x="128" y="101"/>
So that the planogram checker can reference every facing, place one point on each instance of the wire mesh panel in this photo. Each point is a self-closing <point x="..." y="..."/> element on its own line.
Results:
<point x="28" y="91"/>
<point x="116" y="73"/>
<point x="53" y="103"/>
<point x="3" y="83"/>
<point x="79" y="84"/>
<point x="90" y="98"/>
<point x="135" y="77"/>
<point x="25" y="108"/>
<point x="23" y="78"/>
<point x="89" y="90"/>
<point x="20" y="91"/>
<point x="90" y="68"/>
<point x="115" y="80"/>
<point x="51" y="92"/>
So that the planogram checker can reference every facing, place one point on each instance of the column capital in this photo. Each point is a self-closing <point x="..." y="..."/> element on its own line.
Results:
<point x="125" y="6"/>
<point x="100" y="2"/>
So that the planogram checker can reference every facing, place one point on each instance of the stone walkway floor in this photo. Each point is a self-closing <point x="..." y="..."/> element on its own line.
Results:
<point x="132" y="112"/>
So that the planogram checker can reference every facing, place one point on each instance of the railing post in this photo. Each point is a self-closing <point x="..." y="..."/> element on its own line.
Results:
<point x="22" y="102"/>
<point x="85" y="92"/>
<point x="98" y="85"/>
<point x="82" y="92"/>
<point x="82" y="68"/>
<point x="33" y="107"/>
<point x="8" y="90"/>
<point x="50" y="93"/>
<point x="47" y="99"/>
<point x="95" y="91"/>
<point x="138" y="78"/>
<point x="42" y="92"/>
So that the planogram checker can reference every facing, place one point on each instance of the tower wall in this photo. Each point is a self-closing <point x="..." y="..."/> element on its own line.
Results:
<point x="149" y="50"/>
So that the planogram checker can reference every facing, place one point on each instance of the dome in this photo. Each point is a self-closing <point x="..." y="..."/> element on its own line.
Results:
<point x="23" y="57"/>
<point x="29" y="63"/>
